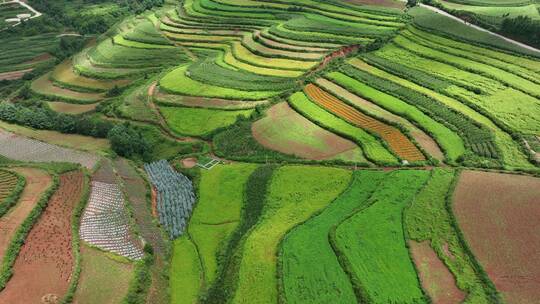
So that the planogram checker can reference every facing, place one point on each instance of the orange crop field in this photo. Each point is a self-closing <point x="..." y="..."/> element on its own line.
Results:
<point x="397" y="141"/>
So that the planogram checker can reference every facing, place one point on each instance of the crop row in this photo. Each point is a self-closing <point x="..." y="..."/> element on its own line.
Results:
<point x="372" y="148"/>
<point x="474" y="134"/>
<point x="398" y="142"/>
<point x="175" y="199"/>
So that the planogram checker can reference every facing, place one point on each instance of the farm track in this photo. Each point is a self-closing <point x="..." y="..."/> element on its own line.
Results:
<point x="45" y="263"/>
<point x="398" y="142"/>
<point x="37" y="182"/>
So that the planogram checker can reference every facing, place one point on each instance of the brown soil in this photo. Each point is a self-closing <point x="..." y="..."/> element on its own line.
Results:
<point x="154" y="202"/>
<point x="436" y="279"/>
<point x="37" y="181"/>
<point x="189" y="162"/>
<point x="105" y="173"/>
<point x="423" y="139"/>
<point x="266" y="131"/>
<point x="499" y="216"/>
<point x="385" y="3"/>
<point x="14" y="75"/>
<point x="44" y="265"/>
<point x="40" y="58"/>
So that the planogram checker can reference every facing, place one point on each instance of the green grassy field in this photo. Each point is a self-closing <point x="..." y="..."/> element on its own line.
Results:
<point x="371" y="243"/>
<point x="295" y="194"/>
<point x="218" y="211"/>
<point x="310" y="271"/>
<point x="199" y="121"/>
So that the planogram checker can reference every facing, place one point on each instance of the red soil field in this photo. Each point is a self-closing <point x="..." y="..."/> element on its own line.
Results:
<point x="398" y="142"/>
<point x="281" y="117"/>
<point x="44" y="265"/>
<point x="37" y="182"/>
<point x="499" y="216"/>
<point x="14" y="75"/>
<point x="436" y="279"/>
<point x="189" y="162"/>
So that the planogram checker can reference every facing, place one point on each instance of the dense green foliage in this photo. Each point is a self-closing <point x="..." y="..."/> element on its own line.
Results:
<point x="295" y="194"/>
<point x="479" y="139"/>
<point x="254" y="200"/>
<point x="373" y="238"/>
<point x="310" y="271"/>
<point x="13" y="191"/>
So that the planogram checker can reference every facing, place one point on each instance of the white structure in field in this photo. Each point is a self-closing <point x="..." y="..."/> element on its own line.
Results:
<point x="105" y="223"/>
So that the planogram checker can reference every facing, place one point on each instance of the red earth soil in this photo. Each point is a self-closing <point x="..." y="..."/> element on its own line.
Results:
<point x="14" y="74"/>
<point x="436" y="279"/>
<point x="189" y="162"/>
<point x="283" y="115"/>
<point x="44" y="265"/>
<point x="40" y="58"/>
<point x="37" y="181"/>
<point x="499" y="215"/>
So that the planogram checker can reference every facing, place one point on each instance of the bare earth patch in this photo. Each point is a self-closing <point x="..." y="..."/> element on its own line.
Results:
<point x="436" y="279"/>
<point x="499" y="216"/>
<point x="14" y="75"/>
<point x="189" y="162"/>
<point x="44" y="265"/>
<point x="71" y="108"/>
<point x="37" y="181"/>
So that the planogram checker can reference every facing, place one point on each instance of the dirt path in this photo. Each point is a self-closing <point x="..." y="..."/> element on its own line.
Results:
<point x="14" y="75"/>
<point x="44" y="266"/>
<point x="439" y="11"/>
<point x="37" y="181"/>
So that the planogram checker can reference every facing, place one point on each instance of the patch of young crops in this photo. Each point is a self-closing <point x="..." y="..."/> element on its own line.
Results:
<point x="449" y="141"/>
<point x="8" y="182"/>
<point x="510" y="152"/>
<point x="371" y="244"/>
<point x="175" y="196"/>
<point x="321" y="24"/>
<point x="465" y="64"/>
<point x="431" y="21"/>
<point x="199" y="121"/>
<point x="178" y="82"/>
<point x="310" y="270"/>
<point x="208" y="71"/>
<point x="520" y="66"/>
<point x="251" y="42"/>
<point x="25" y="149"/>
<point x="372" y="148"/>
<point x="315" y="37"/>
<point x="105" y="222"/>
<point x="16" y="55"/>
<point x="295" y="194"/>
<point x="466" y="48"/>
<point x="482" y="93"/>
<point x="427" y="219"/>
<point x="397" y="141"/>
<point x="146" y="32"/>
<point x="478" y="138"/>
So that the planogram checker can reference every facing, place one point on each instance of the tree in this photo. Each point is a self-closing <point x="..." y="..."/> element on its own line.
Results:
<point x="128" y="142"/>
<point x="412" y="3"/>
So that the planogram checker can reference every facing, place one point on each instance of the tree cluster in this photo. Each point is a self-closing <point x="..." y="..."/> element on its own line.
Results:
<point x="523" y="28"/>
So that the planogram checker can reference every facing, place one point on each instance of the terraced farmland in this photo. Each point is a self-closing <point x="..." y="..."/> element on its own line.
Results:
<point x="269" y="151"/>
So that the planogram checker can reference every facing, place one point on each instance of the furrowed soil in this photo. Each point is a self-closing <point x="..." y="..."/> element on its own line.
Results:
<point x="498" y="214"/>
<point x="288" y="132"/>
<point x="71" y="108"/>
<point x="436" y="279"/>
<point x="45" y="263"/>
<point x="37" y="182"/>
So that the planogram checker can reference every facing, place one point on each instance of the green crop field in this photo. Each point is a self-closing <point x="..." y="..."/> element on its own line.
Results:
<point x="283" y="151"/>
